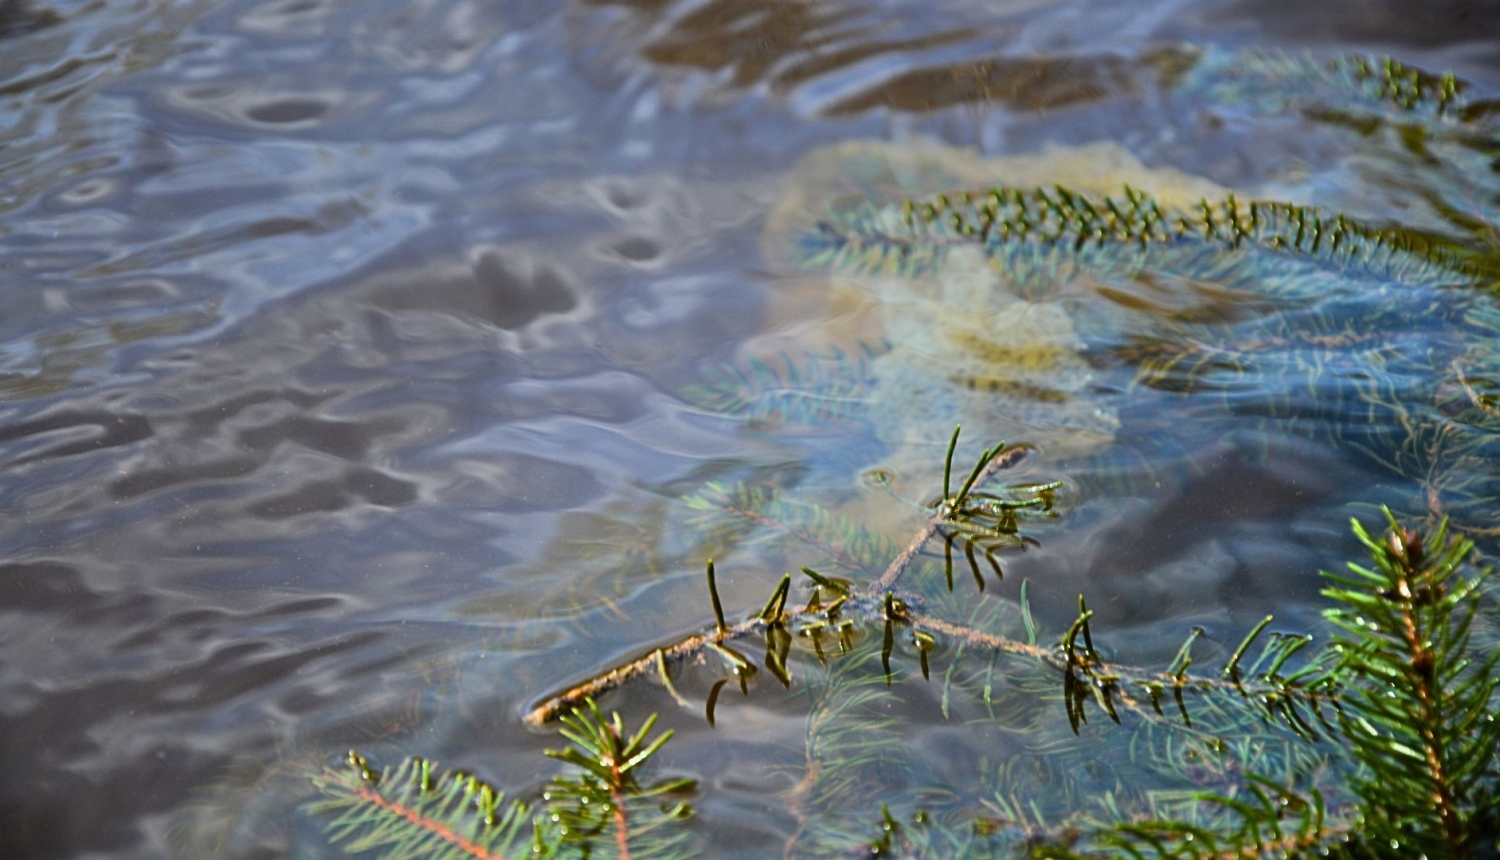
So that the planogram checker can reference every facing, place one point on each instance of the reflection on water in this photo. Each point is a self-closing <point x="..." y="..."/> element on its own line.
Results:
<point x="347" y="360"/>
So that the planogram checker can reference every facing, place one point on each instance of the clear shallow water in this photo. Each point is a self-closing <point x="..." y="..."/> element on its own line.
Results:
<point x="343" y="352"/>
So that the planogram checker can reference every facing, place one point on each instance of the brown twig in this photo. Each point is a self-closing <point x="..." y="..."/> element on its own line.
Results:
<point x="868" y="601"/>
<point x="557" y="704"/>
<point x="616" y="797"/>
<point x="1110" y="675"/>
<point x="980" y="639"/>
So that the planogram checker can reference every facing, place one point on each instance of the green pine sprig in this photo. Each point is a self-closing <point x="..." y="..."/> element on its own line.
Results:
<point x="605" y="804"/>
<point x="419" y="811"/>
<point x="1421" y="719"/>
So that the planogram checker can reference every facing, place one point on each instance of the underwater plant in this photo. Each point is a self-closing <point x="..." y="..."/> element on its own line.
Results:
<point x="1401" y="694"/>
<point x="1373" y="337"/>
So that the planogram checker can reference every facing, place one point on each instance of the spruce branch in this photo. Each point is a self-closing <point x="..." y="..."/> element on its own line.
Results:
<point x="867" y="601"/>
<point x="418" y="811"/>
<point x="887" y="603"/>
<point x="1049" y="234"/>
<point x="1422" y="722"/>
<point x="949" y="509"/>
<point x="1407" y="690"/>
<point x="606" y="797"/>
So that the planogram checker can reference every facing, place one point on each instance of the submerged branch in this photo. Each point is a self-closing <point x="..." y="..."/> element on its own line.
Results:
<point x="694" y="645"/>
<point x="1109" y="679"/>
<point x="1112" y="678"/>
<point x="945" y="510"/>
<point x="562" y="702"/>
<point x="883" y="603"/>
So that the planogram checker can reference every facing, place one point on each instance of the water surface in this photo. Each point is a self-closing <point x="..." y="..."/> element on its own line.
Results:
<point x="348" y="356"/>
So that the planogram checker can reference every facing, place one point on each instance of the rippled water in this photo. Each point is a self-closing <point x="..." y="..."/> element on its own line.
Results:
<point x="344" y="350"/>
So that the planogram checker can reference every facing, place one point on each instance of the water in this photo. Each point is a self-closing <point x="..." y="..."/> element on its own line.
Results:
<point x="348" y="356"/>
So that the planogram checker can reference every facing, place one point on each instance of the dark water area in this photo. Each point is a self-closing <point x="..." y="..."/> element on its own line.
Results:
<point x="347" y="359"/>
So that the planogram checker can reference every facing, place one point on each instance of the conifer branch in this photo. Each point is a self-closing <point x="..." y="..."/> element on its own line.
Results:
<point x="606" y="795"/>
<point x="947" y="509"/>
<point x="418" y="811"/>
<point x="597" y="685"/>
<point x="866" y="600"/>
<point x="1422" y="723"/>
<point x="1409" y="695"/>
<point x="812" y="391"/>
<point x="1045" y="233"/>
<point x="884" y="602"/>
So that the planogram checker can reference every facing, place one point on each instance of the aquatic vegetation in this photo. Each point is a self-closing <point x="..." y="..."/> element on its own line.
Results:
<point x="1257" y="743"/>
<point x="1308" y="321"/>
<point x="1043" y="310"/>
<point x="1256" y="747"/>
